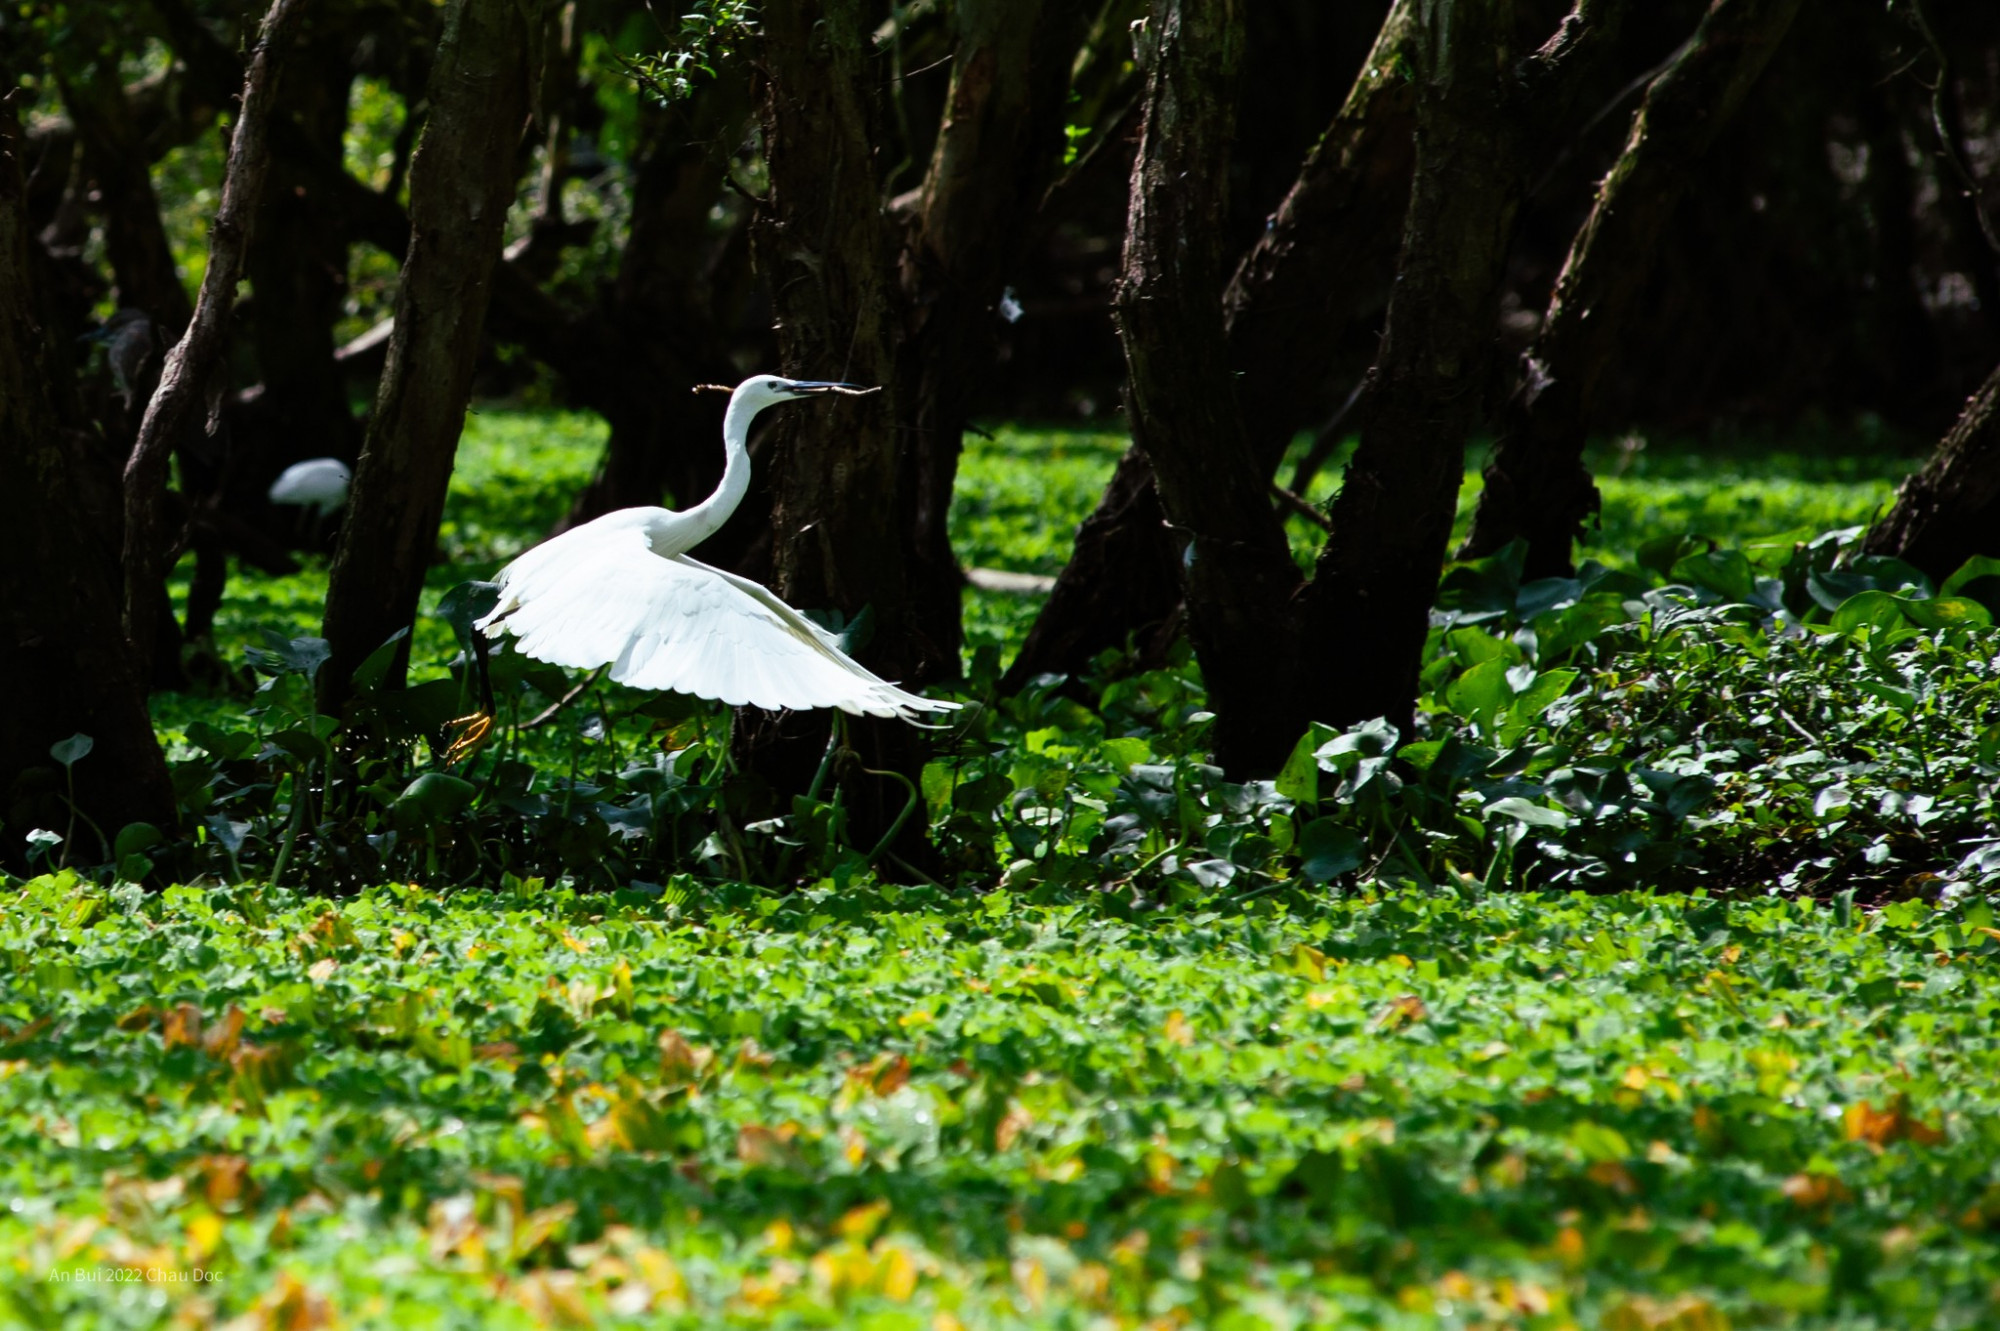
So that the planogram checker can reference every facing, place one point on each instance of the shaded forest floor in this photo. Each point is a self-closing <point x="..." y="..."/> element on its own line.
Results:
<point x="1281" y="1054"/>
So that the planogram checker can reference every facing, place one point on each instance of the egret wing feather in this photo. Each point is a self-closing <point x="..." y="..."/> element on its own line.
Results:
<point x="601" y="594"/>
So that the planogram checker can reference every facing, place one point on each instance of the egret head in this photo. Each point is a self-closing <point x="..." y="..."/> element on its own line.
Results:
<point x="764" y="390"/>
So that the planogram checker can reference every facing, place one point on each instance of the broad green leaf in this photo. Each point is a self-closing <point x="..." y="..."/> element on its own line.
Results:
<point x="1327" y="850"/>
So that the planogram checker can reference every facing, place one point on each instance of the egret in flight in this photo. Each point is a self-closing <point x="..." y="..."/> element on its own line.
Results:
<point x="622" y="591"/>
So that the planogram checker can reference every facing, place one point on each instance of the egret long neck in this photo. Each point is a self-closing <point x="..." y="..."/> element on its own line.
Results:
<point x="706" y="518"/>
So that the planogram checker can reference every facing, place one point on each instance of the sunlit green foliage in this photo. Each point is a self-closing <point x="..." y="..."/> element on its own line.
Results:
<point x="865" y="1106"/>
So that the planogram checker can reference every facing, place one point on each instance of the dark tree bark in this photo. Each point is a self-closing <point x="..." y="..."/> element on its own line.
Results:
<point x="898" y="297"/>
<point x="658" y="329"/>
<point x="1314" y="283"/>
<point x="114" y="155"/>
<point x="1536" y="485"/>
<point x="1239" y="573"/>
<point x="1275" y="655"/>
<point x="298" y="269"/>
<point x="1950" y="511"/>
<point x="184" y="380"/>
<point x="62" y="652"/>
<point x="1366" y="614"/>
<point x="461" y="182"/>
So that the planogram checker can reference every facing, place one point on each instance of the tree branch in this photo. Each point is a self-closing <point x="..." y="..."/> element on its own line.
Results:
<point x="189" y="364"/>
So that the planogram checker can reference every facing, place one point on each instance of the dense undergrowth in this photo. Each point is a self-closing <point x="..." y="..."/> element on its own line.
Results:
<point x="1645" y="984"/>
<point x="1770" y="711"/>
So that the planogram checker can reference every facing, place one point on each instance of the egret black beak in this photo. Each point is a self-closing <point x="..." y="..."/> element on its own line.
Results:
<point x="805" y="387"/>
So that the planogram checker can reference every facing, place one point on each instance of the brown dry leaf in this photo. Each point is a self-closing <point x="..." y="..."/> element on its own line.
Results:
<point x="1008" y="1130"/>
<point x="291" y="1305"/>
<point x="680" y="1062"/>
<point x="139" y="1018"/>
<point x="1686" y="1312"/>
<point x="765" y="1148"/>
<point x="225" y="1179"/>
<point x="1613" y="1175"/>
<point x="220" y="1040"/>
<point x="889" y="1075"/>
<point x="182" y="1026"/>
<point x="1400" y="1012"/>
<point x="1881" y="1127"/>
<point x="1815" y="1190"/>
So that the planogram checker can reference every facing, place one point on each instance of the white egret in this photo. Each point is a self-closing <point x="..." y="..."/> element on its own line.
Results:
<point x="622" y="591"/>
<point x="319" y="484"/>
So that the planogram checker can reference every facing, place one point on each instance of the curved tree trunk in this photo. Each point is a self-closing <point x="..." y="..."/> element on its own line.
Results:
<point x="1367" y="610"/>
<point x="1320" y="272"/>
<point x="1950" y="511"/>
<point x="896" y="296"/>
<point x="461" y="182"/>
<point x="1239" y="573"/>
<point x="1536" y="484"/>
<point x="62" y="651"/>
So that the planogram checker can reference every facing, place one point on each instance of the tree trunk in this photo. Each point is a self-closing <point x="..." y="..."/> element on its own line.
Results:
<point x="1366" y="614"/>
<point x="997" y="146"/>
<point x="1536" y="484"/>
<point x="135" y="240"/>
<point x="461" y="182"/>
<point x="298" y="270"/>
<point x="62" y="652"/>
<point x="1314" y="283"/>
<point x="900" y="298"/>
<point x="176" y="405"/>
<point x="1239" y="572"/>
<point x="664" y="440"/>
<point x="1950" y="511"/>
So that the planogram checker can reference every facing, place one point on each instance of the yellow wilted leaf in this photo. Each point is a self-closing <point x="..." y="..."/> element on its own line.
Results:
<point x="204" y="1236"/>
<point x="1309" y="961"/>
<point x="663" y="1276"/>
<point x="554" y="1298"/>
<point x="899" y="1275"/>
<point x="573" y="943"/>
<point x="322" y="970"/>
<point x="139" y="1018"/>
<point x="889" y="1075"/>
<point x="861" y="1223"/>
<point x="1179" y="1030"/>
<point x="1032" y="1279"/>
<point x="1611" y="1174"/>
<point x="539" y="1227"/>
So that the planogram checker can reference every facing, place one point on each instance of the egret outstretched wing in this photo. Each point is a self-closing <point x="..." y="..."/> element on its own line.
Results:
<point x="599" y="594"/>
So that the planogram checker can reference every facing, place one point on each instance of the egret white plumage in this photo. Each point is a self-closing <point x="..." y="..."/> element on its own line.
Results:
<point x="622" y="591"/>
<point x="319" y="484"/>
